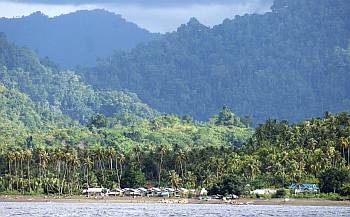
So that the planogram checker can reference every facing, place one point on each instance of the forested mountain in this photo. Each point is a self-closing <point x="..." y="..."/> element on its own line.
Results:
<point x="19" y="110"/>
<point x="290" y="63"/>
<point x="77" y="38"/>
<point x="61" y="91"/>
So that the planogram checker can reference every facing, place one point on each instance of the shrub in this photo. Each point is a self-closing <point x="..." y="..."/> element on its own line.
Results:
<point x="282" y="193"/>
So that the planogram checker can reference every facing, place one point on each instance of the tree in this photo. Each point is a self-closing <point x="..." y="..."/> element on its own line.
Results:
<point x="88" y="165"/>
<point x="226" y="117"/>
<point x="98" y="121"/>
<point x="332" y="180"/>
<point x="180" y="157"/>
<point x="28" y="154"/>
<point x="230" y="184"/>
<point x="344" y="144"/>
<point x="161" y="152"/>
<point x="111" y="154"/>
<point x="174" y="179"/>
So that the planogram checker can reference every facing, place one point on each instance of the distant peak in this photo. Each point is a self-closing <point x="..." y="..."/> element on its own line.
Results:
<point x="94" y="12"/>
<point x="37" y="14"/>
<point x="194" y="22"/>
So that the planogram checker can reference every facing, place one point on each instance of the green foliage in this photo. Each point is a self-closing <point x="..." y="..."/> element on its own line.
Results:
<point x="133" y="178"/>
<point x="226" y="118"/>
<point x="291" y="63"/>
<point x="335" y="180"/>
<point x="231" y="184"/>
<point x="282" y="193"/>
<point x="61" y="91"/>
<point x="169" y="150"/>
<point x="98" y="121"/>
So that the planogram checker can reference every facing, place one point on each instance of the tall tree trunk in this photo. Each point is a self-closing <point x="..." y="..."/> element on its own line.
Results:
<point x="116" y="168"/>
<point x="121" y="173"/>
<point x="87" y="176"/>
<point x="22" y="176"/>
<point x="182" y="170"/>
<point x="101" y="168"/>
<point x="160" y="169"/>
<point x="16" y="174"/>
<point x="28" y="175"/>
<point x="349" y="154"/>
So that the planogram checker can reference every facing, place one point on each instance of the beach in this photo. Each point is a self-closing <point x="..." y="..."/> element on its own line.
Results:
<point x="153" y="200"/>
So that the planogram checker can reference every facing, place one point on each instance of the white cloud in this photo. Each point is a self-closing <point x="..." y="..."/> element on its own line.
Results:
<point x="153" y="18"/>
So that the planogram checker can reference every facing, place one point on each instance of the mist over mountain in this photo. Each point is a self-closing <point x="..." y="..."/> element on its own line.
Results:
<point x="77" y="38"/>
<point x="141" y="2"/>
<point x="54" y="94"/>
<point x="290" y="63"/>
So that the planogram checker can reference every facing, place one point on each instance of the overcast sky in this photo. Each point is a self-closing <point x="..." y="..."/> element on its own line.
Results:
<point x="154" y="15"/>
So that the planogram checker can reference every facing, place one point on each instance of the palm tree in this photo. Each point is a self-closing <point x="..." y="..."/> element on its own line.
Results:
<point x="344" y="144"/>
<point x="111" y="154"/>
<point x="180" y="157"/>
<point x="88" y="165"/>
<point x="189" y="180"/>
<point x="100" y="154"/>
<point x="55" y="157"/>
<point x="348" y="139"/>
<point x="17" y="157"/>
<point x="137" y="151"/>
<point x="252" y="165"/>
<point x="10" y="156"/>
<point x="73" y="164"/>
<point x="21" y="158"/>
<point x="40" y="152"/>
<point x="174" y="179"/>
<point x="28" y="154"/>
<point x="161" y="152"/>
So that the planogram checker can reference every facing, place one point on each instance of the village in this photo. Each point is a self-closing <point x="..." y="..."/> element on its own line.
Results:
<point x="182" y="194"/>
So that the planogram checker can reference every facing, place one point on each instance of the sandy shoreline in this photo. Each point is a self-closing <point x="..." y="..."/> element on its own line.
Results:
<point x="83" y="199"/>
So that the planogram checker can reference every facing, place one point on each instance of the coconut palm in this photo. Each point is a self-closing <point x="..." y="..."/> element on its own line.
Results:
<point x="161" y="152"/>
<point x="28" y="154"/>
<point x="137" y="151"/>
<point x="180" y="157"/>
<point x="10" y="156"/>
<point x="111" y="154"/>
<point x="121" y="165"/>
<point x="174" y="179"/>
<point x="88" y="165"/>
<point x="344" y="144"/>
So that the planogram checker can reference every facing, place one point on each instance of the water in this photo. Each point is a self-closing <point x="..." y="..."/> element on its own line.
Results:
<point x="193" y="210"/>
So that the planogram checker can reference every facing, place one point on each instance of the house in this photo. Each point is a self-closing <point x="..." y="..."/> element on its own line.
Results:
<point x="95" y="191"/>
<point x="143" y="191"/>
<point x="154" y="192"/>
<point x="264" y="191"/>
<point x="132" y="192"/>
<point x="304" y="188"/>
<point x="116" y="192"/>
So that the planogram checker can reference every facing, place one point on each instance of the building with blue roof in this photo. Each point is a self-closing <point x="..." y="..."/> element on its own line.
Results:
<point x="304" y="188"/>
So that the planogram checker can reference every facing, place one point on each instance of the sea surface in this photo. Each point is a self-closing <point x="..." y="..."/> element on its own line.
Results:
<point x="33" y="209"/>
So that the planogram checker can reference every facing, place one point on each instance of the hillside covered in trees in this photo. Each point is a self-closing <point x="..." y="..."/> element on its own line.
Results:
<point x="77" y="38"/>
<point x="290" y="63"/>
<point x="174" y="151"/>
<point x="60" y="134"/>
<point x="61" y="91"/>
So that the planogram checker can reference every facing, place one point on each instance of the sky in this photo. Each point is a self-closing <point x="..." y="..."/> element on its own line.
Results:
<point x="153" y="15"/>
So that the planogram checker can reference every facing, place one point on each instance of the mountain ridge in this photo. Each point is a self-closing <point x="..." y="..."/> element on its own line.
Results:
<point x="285" y="64"/>
<point x="77" y="38"/>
